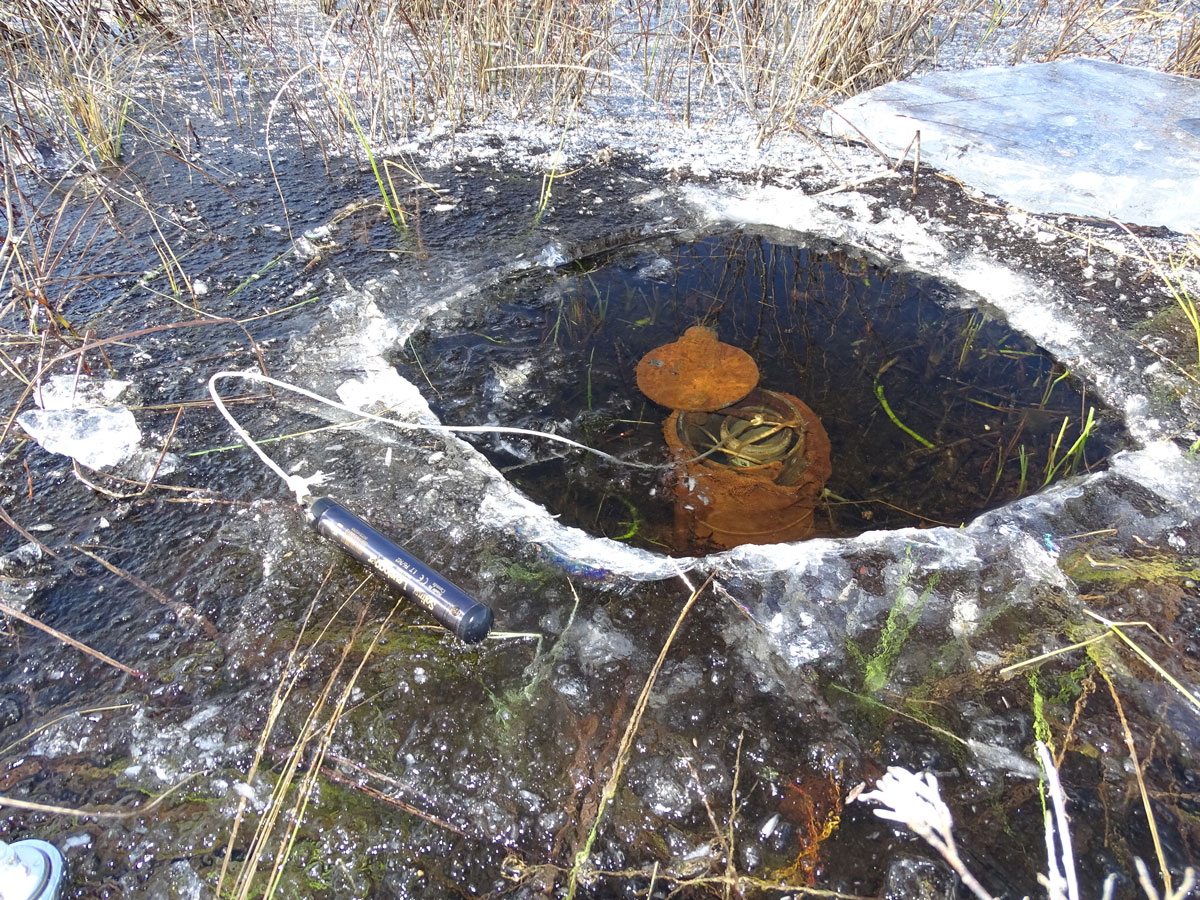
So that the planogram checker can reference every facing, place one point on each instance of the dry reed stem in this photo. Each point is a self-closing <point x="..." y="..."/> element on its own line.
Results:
<point x="31" y="538"/>
<point x="1137" y="771"/>
<point x="1116" y="627"/>
<point x="67" y="639"/>
<point x="405" y="63"/>
<point x="147" y="484"/>
<point x="324" y="734"/>
<point x="1186" y="58"/>
<point x="391" y="801"/>
<point x="316" y="767"/>
<point x="282" y="690"/>
<point x="380" y="795"/>
<point x="742" y="884"/>
<point x="44" y="368"/>
<point x="266" y="824"/>
<point x="1009" y="671"/>
<point x="312" y="729"/>
<point x="622" y="757"/>
<point x="97" y="813"/>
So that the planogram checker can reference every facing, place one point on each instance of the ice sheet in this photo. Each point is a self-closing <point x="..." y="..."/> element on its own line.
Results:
<point x="1082" y="137"/>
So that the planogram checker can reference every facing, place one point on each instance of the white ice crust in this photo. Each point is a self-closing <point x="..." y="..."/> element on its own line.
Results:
<point x="1082" y="137"/>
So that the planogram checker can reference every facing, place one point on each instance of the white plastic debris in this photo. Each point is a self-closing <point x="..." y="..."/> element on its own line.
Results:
<point x="30" y="870"/>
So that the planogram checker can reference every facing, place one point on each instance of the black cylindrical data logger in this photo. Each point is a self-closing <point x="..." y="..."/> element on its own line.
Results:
<point x="446" y="602"/>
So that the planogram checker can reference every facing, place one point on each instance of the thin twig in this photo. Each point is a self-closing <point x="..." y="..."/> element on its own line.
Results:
<point x="1009" y="671"/>
<point x="97" y="813"/>
<point x="67" y="639"/>
<point x="182" y="611"/>
<point x="635" y="719"/>
<point x="1137" y="771"/>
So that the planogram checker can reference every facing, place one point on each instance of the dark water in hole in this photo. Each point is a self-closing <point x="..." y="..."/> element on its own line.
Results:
<point x="850" y="339"/>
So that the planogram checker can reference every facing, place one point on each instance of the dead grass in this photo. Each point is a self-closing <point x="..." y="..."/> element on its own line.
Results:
<point x="74" y="71"/>
<point x="283" y="813"/>
<point x="353" y="72"/>
<point x="1185" y="60"/>
<point x="350" y="77"/>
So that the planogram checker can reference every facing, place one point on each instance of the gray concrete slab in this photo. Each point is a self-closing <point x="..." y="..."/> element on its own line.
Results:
<point x="1083" y="137"/>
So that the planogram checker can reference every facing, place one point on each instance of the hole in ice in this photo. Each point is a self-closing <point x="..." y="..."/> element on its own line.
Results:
<point x="933" y="412"/>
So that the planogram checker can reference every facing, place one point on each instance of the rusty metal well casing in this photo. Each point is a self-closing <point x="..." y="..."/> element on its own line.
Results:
<point x="765" y="461"/>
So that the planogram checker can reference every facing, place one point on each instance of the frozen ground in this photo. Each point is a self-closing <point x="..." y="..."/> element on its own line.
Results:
<point x="478" y="771"/>
<point x="794" y="611"/>
<point x="1096" y="132"/>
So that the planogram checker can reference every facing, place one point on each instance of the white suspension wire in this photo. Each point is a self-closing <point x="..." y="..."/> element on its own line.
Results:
<point x="299" y="486"/>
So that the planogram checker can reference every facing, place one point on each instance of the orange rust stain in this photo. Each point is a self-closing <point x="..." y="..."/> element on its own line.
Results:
<point x="813" y="803"/>
<point x="763" y="504"/>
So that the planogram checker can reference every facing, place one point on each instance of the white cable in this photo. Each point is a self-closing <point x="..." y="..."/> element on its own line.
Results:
<point x="299" y="485"/>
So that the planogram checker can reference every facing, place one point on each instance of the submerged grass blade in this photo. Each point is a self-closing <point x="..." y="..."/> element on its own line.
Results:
<point x="896" y="419"/>
<point x="1070" y="460"/>
<point x="279" y="437"/>
<point x="1174" y="281"/>
<point x="902" y="619"/>
<point x="98" y="813"/>
<point x="876" y="704"/>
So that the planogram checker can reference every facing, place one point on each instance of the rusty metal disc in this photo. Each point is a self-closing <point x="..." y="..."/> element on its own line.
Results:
<point x="697" y="373"/>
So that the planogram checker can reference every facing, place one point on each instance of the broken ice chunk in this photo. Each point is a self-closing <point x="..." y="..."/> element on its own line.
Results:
<point x="70" y="392"/>
<point x="98" y="438"/>
<point x="658" y="269"/>
<point x="551" y="256"/>
<point x="388" y="389"/>
<point x="20" y="559"/>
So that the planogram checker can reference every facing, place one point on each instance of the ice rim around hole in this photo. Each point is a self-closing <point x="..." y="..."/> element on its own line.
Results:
<point x="1044" y="312"/>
